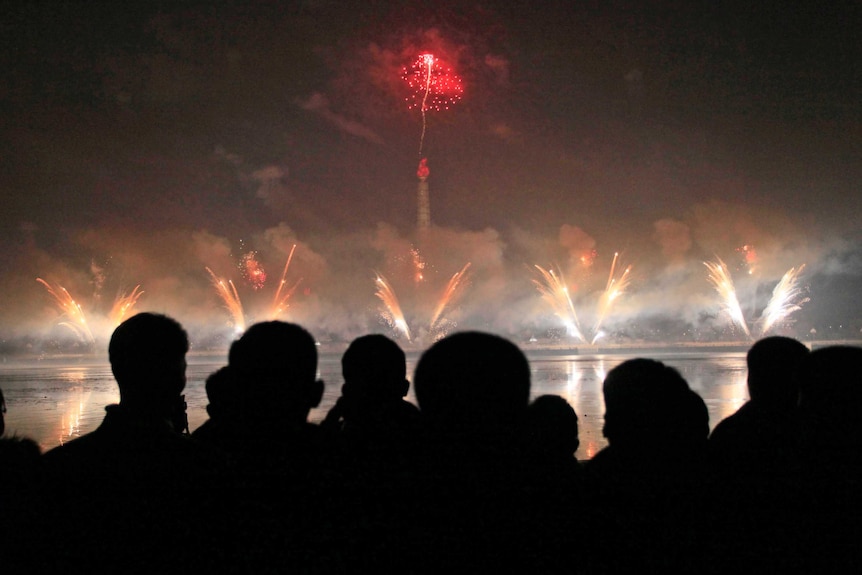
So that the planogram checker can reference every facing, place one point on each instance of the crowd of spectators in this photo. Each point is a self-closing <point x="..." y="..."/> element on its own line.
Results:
<point x="476" y="478"/>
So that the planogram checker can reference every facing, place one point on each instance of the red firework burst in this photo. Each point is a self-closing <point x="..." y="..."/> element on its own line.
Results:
<point x="433" y="85"/>
<point x="252" y="270"/>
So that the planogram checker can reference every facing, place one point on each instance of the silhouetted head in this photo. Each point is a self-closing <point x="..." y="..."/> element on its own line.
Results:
<point x="773" y="365"/>
<point x="275" y="363"/>
<point x="221" y="392"/>
<point x="647" y="401"/>
<point x="148" y="359"/>
<point x="374" y="367"/>
<point x="472" y="379"/>
<point x="553" y="425"/>
<point x="830" y="398"/>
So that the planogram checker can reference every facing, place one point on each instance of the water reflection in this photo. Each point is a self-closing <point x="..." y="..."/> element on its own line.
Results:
<point x="82" y="396"/>
<point x="579" y="381"/>
<point x="54" y="402"/>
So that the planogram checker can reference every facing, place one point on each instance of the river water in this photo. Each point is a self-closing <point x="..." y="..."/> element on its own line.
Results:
<point x="53" y="400"/>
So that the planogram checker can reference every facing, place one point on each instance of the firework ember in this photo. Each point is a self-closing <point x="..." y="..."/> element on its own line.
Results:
<point x="229" y="296"/>
<point x="787" y="298"/>
<point x="723" y="284"/>
<point x="76" y="321"/>
<point x="556" y="293"/>
<point x="453" y="289"/>
<point x="252" y="271"/>
<point x="433" y="85"/>
<point x="614" y="289"/>
<point x="749" y="256"/>
<point x="391" y="310"/>
<point x="123" y="304"/>
<point x="418" y="265"/>
<point x="281" y="301"/>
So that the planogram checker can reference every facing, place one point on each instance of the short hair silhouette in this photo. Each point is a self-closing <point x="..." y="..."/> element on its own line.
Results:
<point x="773" y="365"/>
<point x="553" y="424"/>
<point x="472" y="375"/>
<point x="646" y="399"/>
<point x="276" y="363"/>
<point x="220" y="388"/>
<point x="147" y="355"/>
<point x="830" y="397"/>
<point x="275" y="349"/>
<point x="375" y="366"/>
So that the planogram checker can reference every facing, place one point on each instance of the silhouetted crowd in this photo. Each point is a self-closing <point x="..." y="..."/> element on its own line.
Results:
<point x="476" y="479"/>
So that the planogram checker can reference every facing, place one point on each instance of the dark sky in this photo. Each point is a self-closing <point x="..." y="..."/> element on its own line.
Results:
<point x="144" y="143"/>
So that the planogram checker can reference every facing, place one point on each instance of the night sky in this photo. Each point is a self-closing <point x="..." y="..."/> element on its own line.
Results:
<point x="143" y="144"/>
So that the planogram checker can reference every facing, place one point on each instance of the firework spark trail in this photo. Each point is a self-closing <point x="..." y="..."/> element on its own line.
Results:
<point x="77" y="321"/>
<point x="452" y="289"/>
<point x="785" y="299"/>
<point x="123" y="304"/>
<point x="227" y="292"/>
<point x="434" y="86"/>
<point x="391" y="311"/>
<point x="428" y="60"/>
<point x="614" y="289"/>
<point x="280" y="302"/>
<point x="555" y="292"/>
<point x="720" y="279"/>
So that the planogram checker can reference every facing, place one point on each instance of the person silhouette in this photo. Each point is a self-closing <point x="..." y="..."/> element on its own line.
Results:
<point x="552" y="432"/>
<point x="475" y="480"/>
<point x="759" y="441"/>
<point x="221" y="392"/>
<point x="372" y="431"/>
<point x="830" y="402"/>
<point x="259" y="403"/>
<point x="21" y="497"/>
<point x="757" y="461"/>
<point x="372" y="411"/>
<point x="136" y="485"/>
<point x="259" y="406"/>
<point x="652" y="478"/>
